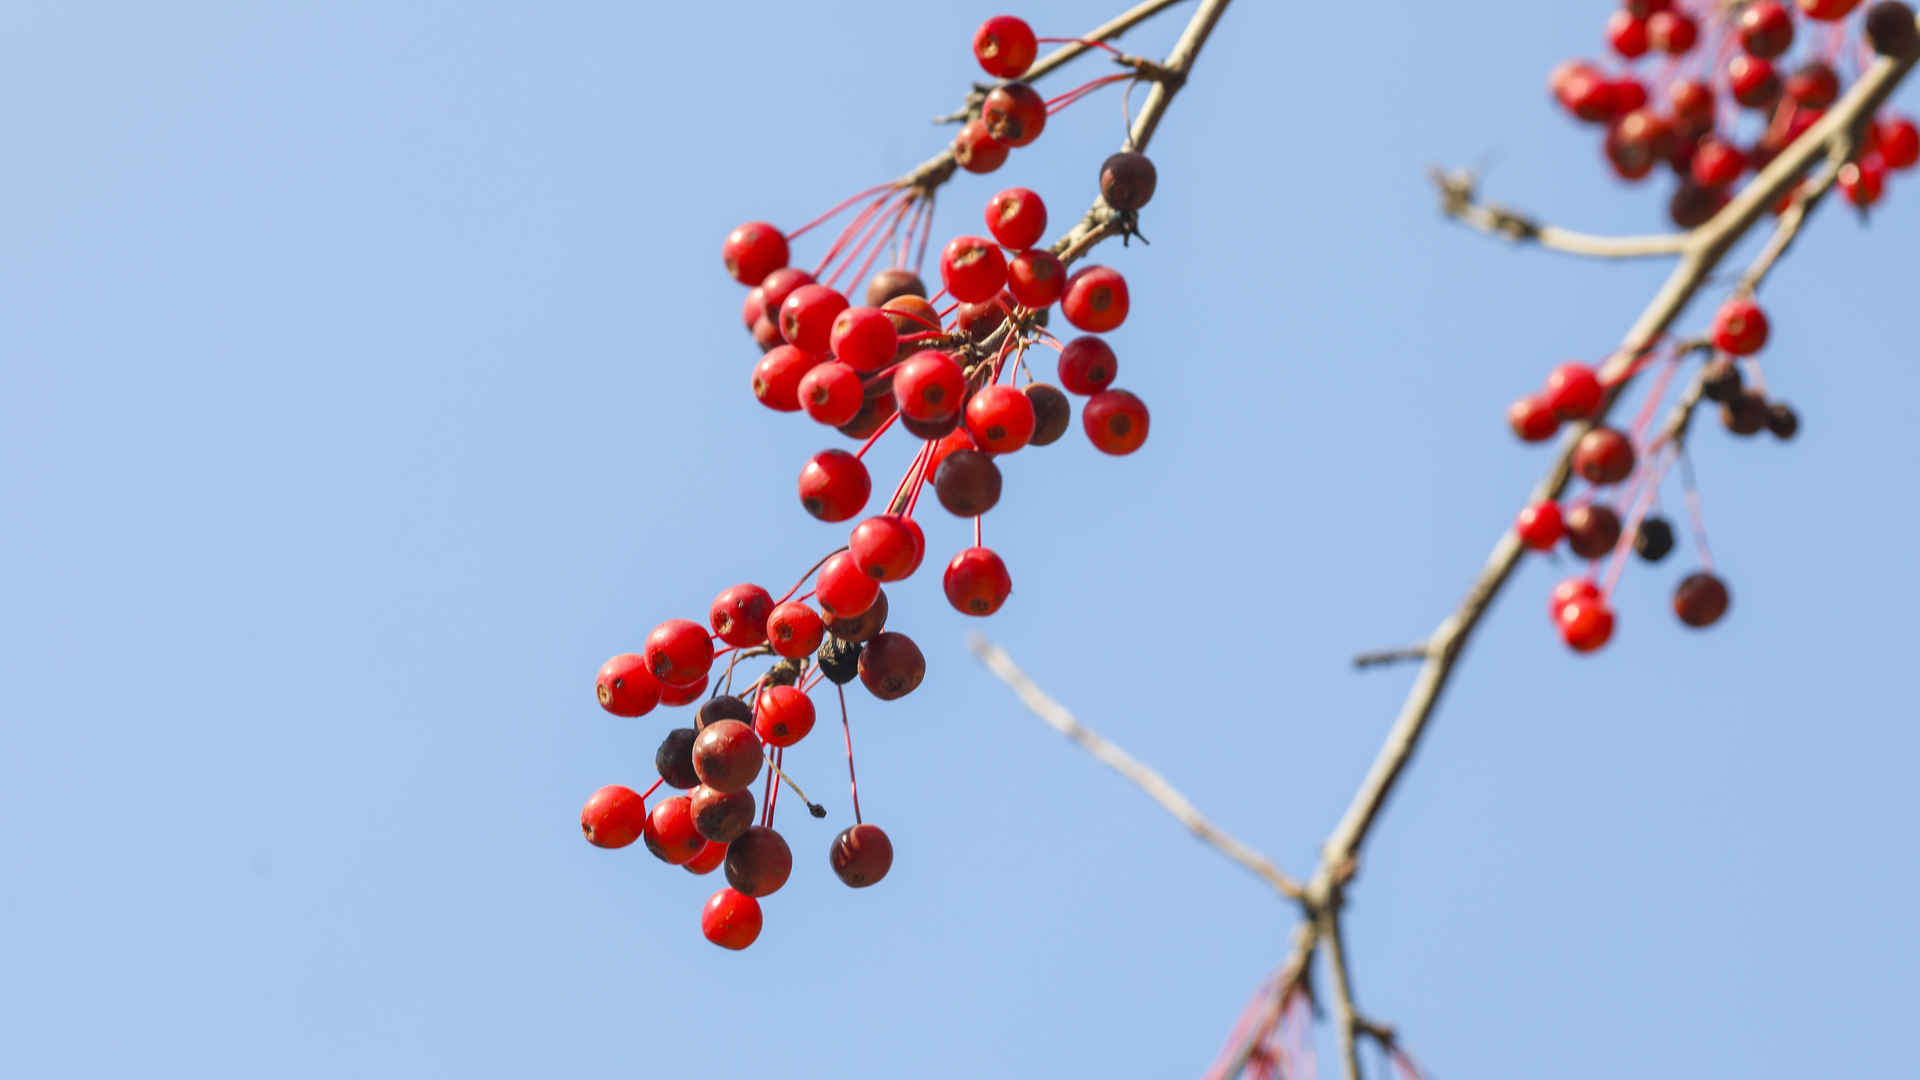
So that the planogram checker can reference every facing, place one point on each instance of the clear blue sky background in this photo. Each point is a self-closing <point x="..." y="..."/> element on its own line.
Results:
<point x="370" y="376"/>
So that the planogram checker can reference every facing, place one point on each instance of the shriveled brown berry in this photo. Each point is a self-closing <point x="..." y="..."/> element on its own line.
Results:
<point x="1052" y="413"/>
<point x="784" y="673"/>
<point x="1891" y="30"/>
<point x="1782" y="421"/>
<point x="1746" y="414"/>
<point x="861" y="855"/>
<point x="891" y="666"/>
<point x="1603" y="456"/>
<point x="1592" y="530"/>
<point x="721" y="707"/>
<point x="727" y="755"/>
<point x="1693" y="206"/>
<point x="721" y="816"/>
<point x="979" y="321"/>
<point x="864" y="625"/>
<point x="1127" y="180"/>
<point x="932" y="429"/>
<point x="674" y="759"/>
<point x="1701" y="599"/>
<point x="759" y="862"/>
<point x="874" y="411"/>
<point x="1721" y="381"/>
<point x="839" y="659"/>
<point x="967" y="483"/>
<point x="1654" y="539"/>
<point x="890" y="283"/>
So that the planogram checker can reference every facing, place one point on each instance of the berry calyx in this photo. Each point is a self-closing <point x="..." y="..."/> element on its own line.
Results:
<point x="727" y="755"/>
<point x="739" y="615"/>
<point x="1096" y="299"/>
<point x="625" y="687"/>
<point x="1603" y="456"/>
<point x="613" y="817"/>
<point x="679" y="652"/>
<point x="1115" y="421"/>
<point x="1000" y="419"/>
<point x="861" y="855"/>
<point x="1539" y="525"/>
<point x="731" y="919"/>
<point x="753" y="251"/>
<point x="834" y="485"/>
<point x="759" y="862"/>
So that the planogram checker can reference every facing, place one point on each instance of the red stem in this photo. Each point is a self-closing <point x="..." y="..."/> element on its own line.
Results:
<point x="842" y="205"/>
<point x="853" y="784"/>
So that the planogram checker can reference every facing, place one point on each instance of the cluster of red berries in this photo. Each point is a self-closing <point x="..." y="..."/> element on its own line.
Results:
<point x="1723" y="60"/>
<point x="1606" y="458"/>
<point x="947" y="375"/>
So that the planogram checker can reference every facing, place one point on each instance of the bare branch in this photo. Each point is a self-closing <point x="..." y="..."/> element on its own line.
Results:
<point x="1142" y="777"/>
<point x="1345" y="1014"/>
<point x="1459" y="200"/>
<point x="1384" y="657"/>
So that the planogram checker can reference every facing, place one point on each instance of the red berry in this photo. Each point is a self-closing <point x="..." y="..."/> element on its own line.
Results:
<point x="910" y="315"/>
<point x="776" y="379"/>
<point x="676" y="696"/>
<point x="1766" y="29"/>
<point x="613" y="817"/>
<point x="863" y="338"/>
<point x="759" y="862"/>
<point x="1005" y="47"/>
<point x="1717" y="163"/>
<point x="1096" y="299"/>
<point x="1899" y="141"/>
<point x="1701" y="599"/>
<point x="1603" y="456"/>
<point x="1015" y="114"/>
<point x="1863" y="181"/>
<point x="831" y="393"/>
<point x="834" y="485"/>
<point x="1087" y="365"/>
<point x="967" y="483"/>
<point x="976" y="150"/>
<point x="720" y="816"/>
<point x="1740" y="328"/>
<point x="1627" y="34"/>
<point x="1000" y="418"/>
<point x="1692" y="102"/>
<point x="1638" y="141"/>
<point x="1036" y="278"/>
<point x="1115" y="421"/>
<point x="679" y="652"/>
<point x="1592" y="530"/>
<point x="979" y="321"/>
<point x="782" y="716"/>
<point x="1573" y="588"/>
<point x="1128" y="180"/>
<point x="957" y="439"/>
<point x="864" y="625"/>
<point x="777" y="287"/>
<point x="972" y="268"/>
<point x="1052" y="413"/>
<point x="861" y="855"/>
<point x="842" y="591"/>
<point x="1017" y="218"/>
<point x="1828" y="10"/>
<point x="977" y="582"/>
<point x="1539" y="525"/>
<point x="1574" y="391"/>
<point x="730" y="919"/>
<point x="1673" y="32"/>
<point x="1754" y="82"/>
<point x="739" y="615"/>
<point x="889" y="283"/>
<point x="1816" y="85"/>
<point x="1585" y="624"/>
<point x="888" y="547"/>
<point x="929" y="385"/>
<point x="807" y="316"/>
<point x="794" y="630"/>
<point x="669" y="831"/>
<point x="891" y="666"/>
<point x="625" y="687"/>
<point x="753" y="251"/>
<point x="1580" y="89"/>
<point x="727" y="755"/>
<point x="707" y="861"/>
<point x="1533" y="419"/>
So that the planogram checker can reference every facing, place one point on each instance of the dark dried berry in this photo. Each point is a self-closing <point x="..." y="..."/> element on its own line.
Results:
<point x="861" y="855"/>
<point x="864" y="625"/>
<point x="1693" y="206"/>
<point x="1701" y="599"/>
<point x="721" y="816"/>
<point x="891" y="665"/>
<point x="1721" y="381"/>
<point x="784" y="673"/>
<point x="840" y="659"/>
<point x="888" y="284"/>
<point x="1745" y="414"/>
<point x="931" y="429"/>
<point x="1127" y="180"/>
<point x="1654" y="541"/>
<point x="1891" y="29"/>
<point x="1782" y="421"/>
<point x="1592" y="530"/>
<point x="674" y="759"/>
<point x="1052" y="414"/>
<point x="967" y="483"/>
<point x="759" y="862"/>
<point x="723" y="707"/>
<point x="873" y="412"/>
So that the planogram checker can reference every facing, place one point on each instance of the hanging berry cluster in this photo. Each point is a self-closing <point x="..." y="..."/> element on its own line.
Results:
<point x="1730" y="92"/>
<point x="952" y="370"/>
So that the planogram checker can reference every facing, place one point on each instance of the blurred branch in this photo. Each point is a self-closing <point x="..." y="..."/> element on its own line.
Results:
<point x="1459" y="200"/>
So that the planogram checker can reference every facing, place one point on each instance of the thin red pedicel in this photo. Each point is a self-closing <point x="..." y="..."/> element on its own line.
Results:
<point x="1055" y="104"/>
<point x="853" y="228"/>
<point x="842" y="205"/>
<point x="846" y="727"/>
<point x="893" y="231"/>
<point x="870" y="230"/>
<point x="1078" y="41"/>
<point x="648" y="794"/>
<point x="875" y="437"/>
<point x="1693" y="510"/>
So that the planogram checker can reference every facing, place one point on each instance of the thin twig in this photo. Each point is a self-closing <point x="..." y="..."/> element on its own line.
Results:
<point x="1383" y="657"/>
<point x="1459" y="200"/>
<point x="1142" y="777"/>
<point x="1345" y="1014"/>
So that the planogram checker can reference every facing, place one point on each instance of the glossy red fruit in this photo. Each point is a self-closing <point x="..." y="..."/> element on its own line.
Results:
<point x="1753" y="81"/>
<point x="1672" y="32"/>
<point x="753" y="251"/>
<point x="1087" y="365"/>
<point x="1740" y="327"/>
<point x="831" y="393"/>
<point x="730" y="919"/>
<point x="863" y="338"/>
<point x="1533" y="419"/>
<point x="1115" y="421"/>
<point x="1637" y="142"/>
<point x="861" y="855"/>
<point x="720" y="816"/>
<point x="1624" y="95"/>
<point x="977" y="582"/>
<point x="613" y="817"/>
<point x="625" y="687"/>
<point x="727" y="755"/>
<point x="1096" y="299"/>
<point x="1766" y="29"/>
<point x="841" y="590"/>
<point x="1828" y="10"/>
<point x="1627" y="34"/>
<point x="891" y="666"/>
<point x="929" y="385"/>
<point x="888" y="547"/>
<point x="794" y="630"/>
<point x="1603" y="456"/>
<point x="675" y="696"/>
<point x="955" y="440"/>
<point x="1036" y="278"/>
<point x="834" y="485"/>
<point x="1017" y="218"/>
<point x="759" y="862"/>
<point x="1015" y="114"/>
<point x="1585" y="624"/>
<point x="1005" y="47"/>
<point x="976" y="150"/>
<point x="807" y="316"/>
<point x="1815" y="84"/>
<point x="1701" y="599"/>
<point x="782" y="716"/>
<point x="1581" y="89"/>
<point x="972" y="268"/>
<point x="1592" y="530"/>
<point x="1574" y="391"/>
<point x="1898" y="141"/>
<point x="1717" y="163"/>
<point x="910" y="315"/>
<point x="1000" y="419"/>
<point x="776" y="378"/>
<point x="1539" y="525"/>
<point x="707" y="861"/>
<point x="777" y="287"/>
<point x="739" y="615"/>
<point x="678" y="652"/>
<point x="1573" y="588"/>
<point x="1693" y="106"/>
<point x="1863" y="181"/>
<point x="669" y="831"/>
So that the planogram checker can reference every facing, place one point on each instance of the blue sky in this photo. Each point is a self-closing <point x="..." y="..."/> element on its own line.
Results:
<point x="370" y="376"/>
